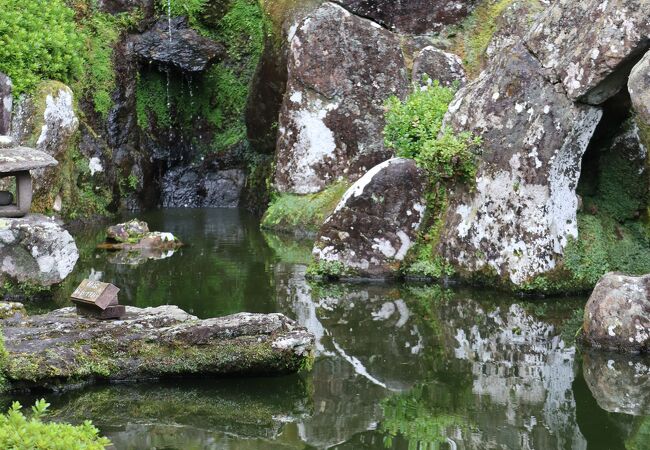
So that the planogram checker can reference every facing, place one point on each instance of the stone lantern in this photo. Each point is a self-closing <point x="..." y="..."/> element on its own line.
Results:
<point x="17" y="162"/>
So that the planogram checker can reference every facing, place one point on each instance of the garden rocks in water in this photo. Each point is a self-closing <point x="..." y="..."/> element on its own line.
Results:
<point x="135" y="235"/>
<point x="375" y="224"/>
<point x="412" y="16"/>
<point x="518" y="218"/>
<point x="35" y="251"/>
<point x="174" y="43"/>
<point x="62" y="348"/>
<point x="617" y="316"/>
<point x="342" y="68"/>
<point x="588" y="45"/>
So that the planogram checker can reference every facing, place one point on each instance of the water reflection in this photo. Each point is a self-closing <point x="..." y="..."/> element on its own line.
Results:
<point x="398" y="367"/>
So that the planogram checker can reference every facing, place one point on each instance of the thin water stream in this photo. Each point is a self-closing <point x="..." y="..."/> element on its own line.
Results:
<point x="398" y="367"/>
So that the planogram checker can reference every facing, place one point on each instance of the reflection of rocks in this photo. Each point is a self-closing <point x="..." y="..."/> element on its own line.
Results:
<point x="199" y="412"/>
<point x="137" y="257"/>
<point x="620" y="384"/>
<point x="617" y="315"/>
<point x="523" y="367"/>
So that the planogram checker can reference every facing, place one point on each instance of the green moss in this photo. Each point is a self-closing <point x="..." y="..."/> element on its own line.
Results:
<point x="303" y="214"/>
<point x="474" y="35"/>
<point x="329" y="270"/>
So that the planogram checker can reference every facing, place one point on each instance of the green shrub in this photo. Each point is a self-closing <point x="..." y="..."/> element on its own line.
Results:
<point x="39" y="40"/>
<point x="416" y="121"/>
<point x="20" y="433"/>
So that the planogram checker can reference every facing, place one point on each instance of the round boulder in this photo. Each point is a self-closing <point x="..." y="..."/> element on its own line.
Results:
<point x="617" y="316"/>
<point x="376" y="222"/>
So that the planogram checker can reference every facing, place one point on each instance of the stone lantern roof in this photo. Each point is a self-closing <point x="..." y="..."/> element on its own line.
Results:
<point x="20" y="159"/>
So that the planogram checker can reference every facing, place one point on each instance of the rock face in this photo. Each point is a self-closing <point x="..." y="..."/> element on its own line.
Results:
<point x="341" y="70"/>
<point x="47" y="121"/>
<point x="412" y="16"/>
<point x="61" y="347"/>
<point x="188" y="187"/>
<point x="174" y="43"/>
<point x="617" y="316"/>
<point x="376" y="222"/>
<point x="35" y="250"/>
<point x="588" y="46"/>
<point x="6" y="104"/>
<point x="523" y="209"/>
<point x="639" y="87"/>
<point x="438" y="65"/>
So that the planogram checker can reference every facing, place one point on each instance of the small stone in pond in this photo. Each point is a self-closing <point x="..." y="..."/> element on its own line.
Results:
<point x="6" y="198"/>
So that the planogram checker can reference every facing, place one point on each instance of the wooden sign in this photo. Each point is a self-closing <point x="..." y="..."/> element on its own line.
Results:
<point x="96" y="293"/>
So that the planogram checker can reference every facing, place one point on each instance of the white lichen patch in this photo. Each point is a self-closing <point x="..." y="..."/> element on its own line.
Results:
<point x="59" y="113"/>
<point x="95" y="165"/>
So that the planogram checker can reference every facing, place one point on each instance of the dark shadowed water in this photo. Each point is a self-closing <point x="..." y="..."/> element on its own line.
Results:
<point x="398" y="367"/>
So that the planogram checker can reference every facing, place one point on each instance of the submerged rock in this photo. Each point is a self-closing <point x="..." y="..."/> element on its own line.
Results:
<point x="588" y="45"/>
<point x="376" y="222"/>
<point x="617" y="316"/>
<point x="412" y="16"/>
<point x="175" y="44"/>
<point x="62" y="348"/>
<point x="36" y="251"/>
<point x="342" y="68"/>
<point x="517" y="220"/>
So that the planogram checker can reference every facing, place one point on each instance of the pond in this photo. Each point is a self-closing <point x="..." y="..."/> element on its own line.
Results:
<point x="398" y="366"/>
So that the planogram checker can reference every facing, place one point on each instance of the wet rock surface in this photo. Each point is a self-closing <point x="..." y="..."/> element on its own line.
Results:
<point x="519" y="216"/>
<point x="35" y="250"/>
<point x="617" y="316"/>
<point x="185" y="49"/>
<point x="6" y="104"/>
<point x="376" y="222"/>
<point x="193" y="187"/>
<point x="129" y="231"/>
<point x="412" y="16"/>
<point x="590" y="46"/>
<point x="135" y="236"/>
<point x="341" y="70"/>
<point x="61" y="347"/>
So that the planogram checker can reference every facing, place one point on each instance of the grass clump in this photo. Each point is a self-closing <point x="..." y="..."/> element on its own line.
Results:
<point x="303" y="214"/>
<point x="414" y="128"/>
<point x="21" y="433"/>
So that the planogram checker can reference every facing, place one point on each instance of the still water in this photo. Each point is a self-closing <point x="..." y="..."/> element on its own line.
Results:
<point x="398" y="366"/>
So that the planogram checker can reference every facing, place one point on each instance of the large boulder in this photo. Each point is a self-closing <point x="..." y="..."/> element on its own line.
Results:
<point x="617" y="316"/>
<point x="173" y="43"/>
<point x="342" y="68"/>
<point x="62" y="348"/>
<point x="590" y="46"/>
<point x="376" y="222"/>
<point x="412" y="16"/>
<point x="517" y="219"/>
<point x="35" y="251"/>
<point x="639" y="87"/>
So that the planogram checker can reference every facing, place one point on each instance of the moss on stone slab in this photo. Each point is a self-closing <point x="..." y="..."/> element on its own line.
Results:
<point x="303" y="214"/>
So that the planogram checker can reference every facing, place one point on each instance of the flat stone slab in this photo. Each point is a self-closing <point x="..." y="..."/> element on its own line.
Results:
<point x="62" y="349"/>
<point x="17" y="159"/>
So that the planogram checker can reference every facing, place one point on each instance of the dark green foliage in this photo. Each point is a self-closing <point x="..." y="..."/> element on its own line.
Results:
<point x="20" y="433"/>
<point x="39" y="40"/>
<point x="417" y="121"/>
